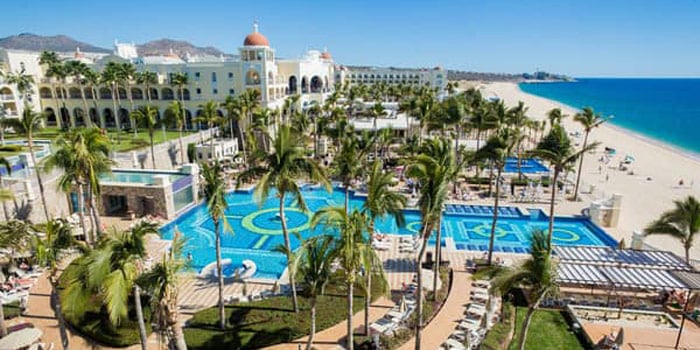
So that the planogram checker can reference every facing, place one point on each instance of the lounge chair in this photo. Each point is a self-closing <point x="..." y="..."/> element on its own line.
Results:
<point x="454" y="345"/>
<point x="469" y="326"/>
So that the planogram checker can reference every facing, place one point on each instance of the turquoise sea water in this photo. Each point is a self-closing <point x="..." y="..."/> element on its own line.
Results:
<point x="667" y="110"/>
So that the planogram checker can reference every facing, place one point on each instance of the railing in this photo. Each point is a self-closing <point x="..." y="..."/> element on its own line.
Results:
<point x="7" y="97"/>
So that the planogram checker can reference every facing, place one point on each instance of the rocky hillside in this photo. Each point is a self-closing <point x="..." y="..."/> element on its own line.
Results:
<point x="179" y="47"/>
<point x="58" y="43"/>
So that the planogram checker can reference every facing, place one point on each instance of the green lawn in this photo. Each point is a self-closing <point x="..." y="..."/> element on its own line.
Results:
<point x="127" y="140"/>
<point x="268" y="322"/>
<point x="548" y="331"/>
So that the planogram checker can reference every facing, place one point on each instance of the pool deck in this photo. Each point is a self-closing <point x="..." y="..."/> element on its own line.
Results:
<point x="644" y="338"/>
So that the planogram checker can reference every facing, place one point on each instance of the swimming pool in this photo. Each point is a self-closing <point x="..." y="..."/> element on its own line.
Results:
<point x="527" y="166"/>
<point x="257" y="230"/>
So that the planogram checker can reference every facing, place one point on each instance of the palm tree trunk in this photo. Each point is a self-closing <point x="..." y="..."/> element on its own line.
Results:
<point x="86" y="117"/>
<point x="240" y="132"/>
<point x="553" y="185"/>
<point x="30" y="141"/>
<point x="288" y="246"/>
<point x="526" y="326"/>
<point x="438" y="252"/>
<point x="350" y="339"/>
<point x="184" y="122"/>
<point x="153" y="152"/>
<point x="419" y="291"/>
<point x="81" y="213"/>
<point x="182" y="147"/>
<point x="220" y="275"/>
<point x="580" y="167"/>
<point x="368" y="296"/>
<point x="495" y="218"/>
<point x="131" y="104"/>
<point x="347" y="196"/>
<point x="179" y="336"/>
<point x="139" y="317"/>
<point x="4" y="205"/>
<point x="310" y="343"/>
<point x="687" y="253"/>
<point x="3" y="327"/>
<point x="56" y="303"/>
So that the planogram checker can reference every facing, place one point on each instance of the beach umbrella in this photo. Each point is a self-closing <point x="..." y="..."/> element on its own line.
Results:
<point x="20" y="339"/>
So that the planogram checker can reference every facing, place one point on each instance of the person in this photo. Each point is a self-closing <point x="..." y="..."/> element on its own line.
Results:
<point x="189" y="256"/>
<point x="600" y="169"/>
<point x="607" y="177"/>
<point x="681" y="182"/>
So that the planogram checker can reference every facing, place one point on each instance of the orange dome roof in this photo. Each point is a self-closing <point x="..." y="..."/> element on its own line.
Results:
<point x="255" y="38"/>
<point x="326" y="55"/>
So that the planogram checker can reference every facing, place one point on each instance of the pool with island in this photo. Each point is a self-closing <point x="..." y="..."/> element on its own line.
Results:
<point x="256" y="230"/>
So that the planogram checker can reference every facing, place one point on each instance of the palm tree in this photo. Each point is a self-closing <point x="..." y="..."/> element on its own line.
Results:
<point x="681" y="222"/>
<point x="313" y="263"/>
<point x="92" y="80"/>
<point x="537" y="274"/>
<point x="162" y="283"/>
<point x="174" y="115"/>
<point x="235" y="112"/>
<point x="117" y="265"/>
<point x="127" y="73"/>
<point x="381" y="201"/>
<point x="58" y="237"/>
<point x="180" y="80"/>
<point x="556" y="149"/>
<point x="434" y="173"/>
<point x="347" y="164"/>
<point x="281" y="167"/>
<point x="53" y="71"/>
<point x="8" y="168"/>
<point x="78" y="70"/>
<point x="209" y="116"/>
<point x="83" y="155"/>
<point x="497" y="149"/>
<point x="517" y="119"/>
<point x="555" y="116"/>
<point x="148" y="116"/>
<point x="14" y="237"/>
<point x="146" y="78"/>
<point x="26" y="126"/>
<point x="215" y="194"/>
<point x="350" y="249"/>
<point x="110" y="76"/>
<point x="589" y="120"/>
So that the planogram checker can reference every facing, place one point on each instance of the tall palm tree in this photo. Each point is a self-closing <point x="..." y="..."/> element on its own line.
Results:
<point x="681" y="222"/>
<point x="313" y="262"/>
<point x="589" y="120"/>
<point x="58" y="236"/>
<point x="162" y="283"/>
<point x="556" y="149"/>
<point x="235" y="112"/>
<point x="350" y="249"/>
<point x="282" y="167"/>
<point x="537" y="274"/>
<point x="555" y="117"/>
<point x="381" y="201"/>
<point x="92" y="80"/>
<point x="83" y="155"/>
<point x="180" y="80"/>
<point x="347" y="165"/>
<point x="517" y="120"/>
<point x="148" y="115"/>
<point x="497" y="149"/>
<point x="14" y="238"/>
<point x="209" y="116"/>
<point x="434" y="174"/>
<point x="29" y="123"/>
<point x="146" y="78"/>
<point x="174" y="115"/>
<point x="215" y="194"/>
<point x="110" y="77"/>
<point x="127" y="74"/>
<point x="53" y="71"/>
<point x="78" y="70"/>
<point x="4" y="163"/>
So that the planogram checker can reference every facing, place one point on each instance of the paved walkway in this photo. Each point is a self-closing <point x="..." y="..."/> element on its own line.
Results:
<point x="444" y="323"/>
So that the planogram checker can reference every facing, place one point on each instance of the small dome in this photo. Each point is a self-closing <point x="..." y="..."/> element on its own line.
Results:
<point x="326" y="55"/>
<point x="255" y="38"/>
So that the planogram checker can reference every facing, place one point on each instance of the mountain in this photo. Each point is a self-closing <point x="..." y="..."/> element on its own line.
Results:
<point x="58" y="43"/>
<point x="179" y="47"/>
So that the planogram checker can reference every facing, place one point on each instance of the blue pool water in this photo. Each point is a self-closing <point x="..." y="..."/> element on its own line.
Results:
<point x="257" y="230"/>
<point x="527" y="166"/>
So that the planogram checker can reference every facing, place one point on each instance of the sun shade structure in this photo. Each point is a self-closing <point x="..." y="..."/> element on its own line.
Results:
<point x="621" y="257"/>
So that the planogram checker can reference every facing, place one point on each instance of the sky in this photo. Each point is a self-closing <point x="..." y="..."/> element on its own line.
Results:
<point x="630" y="38"/>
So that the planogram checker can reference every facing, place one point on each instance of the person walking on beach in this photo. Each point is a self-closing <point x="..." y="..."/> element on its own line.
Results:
<point x="607" y="177"/>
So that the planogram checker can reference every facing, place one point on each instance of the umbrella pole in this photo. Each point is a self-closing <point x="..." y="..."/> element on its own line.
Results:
<point x="680" y="331"/>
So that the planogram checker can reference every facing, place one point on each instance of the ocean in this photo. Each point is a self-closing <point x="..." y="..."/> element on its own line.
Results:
<point x="667" y="110"/>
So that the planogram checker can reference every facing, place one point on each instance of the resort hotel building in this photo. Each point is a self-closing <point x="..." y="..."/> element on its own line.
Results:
<point x="257" y="67"/>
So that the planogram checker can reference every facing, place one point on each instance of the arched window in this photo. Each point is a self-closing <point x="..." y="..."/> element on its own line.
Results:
<point x="136" y="93"/>
<point x="292" y="89"/>
<point x="105" y="93"/>
<point x="74" y="92"/>
<point x="167" y="94"/>
<point x="46" y="93"/>
<point x="252" y="77"/>
<point x="213" y="77"/>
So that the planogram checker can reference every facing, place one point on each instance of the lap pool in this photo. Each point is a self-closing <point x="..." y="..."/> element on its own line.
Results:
<point x="257" y="230"/>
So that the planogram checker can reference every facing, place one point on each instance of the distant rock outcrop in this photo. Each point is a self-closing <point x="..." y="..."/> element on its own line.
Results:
<point x="178" y="47"/>
<point x="58" y="43"/>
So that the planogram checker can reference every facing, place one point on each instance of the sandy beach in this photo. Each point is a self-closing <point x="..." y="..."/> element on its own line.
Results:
<point x="658" y="168"/>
